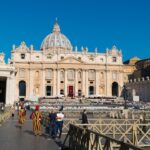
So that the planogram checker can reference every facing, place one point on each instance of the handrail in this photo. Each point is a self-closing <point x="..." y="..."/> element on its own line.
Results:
<point x="79" y="138"/>
<point x="130" y="130"/>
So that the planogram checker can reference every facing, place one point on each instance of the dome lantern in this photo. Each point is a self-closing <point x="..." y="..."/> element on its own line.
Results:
<point x="56" y="28"/>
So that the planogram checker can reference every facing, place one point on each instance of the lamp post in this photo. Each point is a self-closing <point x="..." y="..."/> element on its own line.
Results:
<point x="125" y="96"/>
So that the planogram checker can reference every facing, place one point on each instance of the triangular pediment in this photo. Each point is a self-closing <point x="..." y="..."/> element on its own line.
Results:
<point x="71" y="60"/>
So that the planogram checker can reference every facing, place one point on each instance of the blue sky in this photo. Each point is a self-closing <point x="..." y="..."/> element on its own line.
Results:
<point x="87" y="23"/>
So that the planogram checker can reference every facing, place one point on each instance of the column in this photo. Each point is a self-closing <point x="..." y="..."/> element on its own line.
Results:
<point x="54" y="82"/>
<point x="27" y="79"/>
<point x="58" y="82"/>
<point x="83" y="82"/>
<point x="8" y="91"/>
<point x="97" y="82"/>
<point x="65" y="84"/>
<point x="76" y="83"/>
<point x="16" y="87"/>
<point x="86" y="84"/>
<point x="120" y="82"/>
<point x="107" y="83"/>
<point x="43" y="82"/>
<point x="31" y="82"/>
<point x="12" y="88"/>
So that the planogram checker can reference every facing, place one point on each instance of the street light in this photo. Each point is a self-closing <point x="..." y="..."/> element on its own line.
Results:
<point x="125" y="96"/>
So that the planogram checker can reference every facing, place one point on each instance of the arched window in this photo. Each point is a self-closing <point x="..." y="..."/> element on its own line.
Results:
<point x="91" y="75"/>
<point x="49" y="74"/>
<point x="79" y="75"/>
<point x="114" y="59"/>
<point x="22" y="88"/>
<point x="37" y="74"/>
<point x="62" y="91"/>
<point x="62" y="75"/>
<point x="114" y="89"/>
<point x="79" y="93"/>
<point x="22" y="73"/>
<point x="91" y="90"/>
<point x="37" y="90"/>
<point x="101" y="75"/>
<point x="70" y="74"/>
<point x="48" y="90"/>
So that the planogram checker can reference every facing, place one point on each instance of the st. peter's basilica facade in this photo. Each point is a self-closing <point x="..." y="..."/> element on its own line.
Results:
<point x="59" y="69"/>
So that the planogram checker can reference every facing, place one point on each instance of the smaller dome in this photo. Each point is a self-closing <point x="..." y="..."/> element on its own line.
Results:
<point x="56" y="39"/>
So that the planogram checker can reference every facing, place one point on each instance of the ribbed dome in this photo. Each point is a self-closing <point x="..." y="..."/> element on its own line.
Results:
<point x="56" y="39"/>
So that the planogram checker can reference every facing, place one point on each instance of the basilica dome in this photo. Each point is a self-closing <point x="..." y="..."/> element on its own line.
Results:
<point x="56" y="40"/>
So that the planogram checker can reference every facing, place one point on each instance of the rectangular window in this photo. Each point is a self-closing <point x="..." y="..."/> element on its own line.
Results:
<point x="101" y="60"/>
<point x="22" y="56"/>
<point x="48" y="90"/>
<point x="114" y="59"/>
<point x="62" y="91"/>
<point x="79" y="93"/>
<point x="62" y="57"/>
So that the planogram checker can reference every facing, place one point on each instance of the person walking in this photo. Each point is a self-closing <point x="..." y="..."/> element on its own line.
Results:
<point x="52" y="124"/>
<point x="59" y="123"/>
<point x="36" y="116"/>
<point x="84" y="118"/>
<point x="21" y="115"/>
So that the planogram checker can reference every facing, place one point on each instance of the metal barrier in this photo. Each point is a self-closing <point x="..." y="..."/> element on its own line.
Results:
<point x="84" y="139"/>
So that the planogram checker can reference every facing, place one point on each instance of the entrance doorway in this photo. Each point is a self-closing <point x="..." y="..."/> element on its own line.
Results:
<point x="48" y="90"/>
<point x="114" y="89"/>
<point x="3" y="90"/>
<point x="79" y="93"/>
<point x="22" y="89"/>
<point x="91" y="90"/>
<point x="70" y="91"/>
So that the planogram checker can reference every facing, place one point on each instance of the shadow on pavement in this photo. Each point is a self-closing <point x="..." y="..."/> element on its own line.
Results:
<point x="29" y="132"/>
<point x="18" y="126"/>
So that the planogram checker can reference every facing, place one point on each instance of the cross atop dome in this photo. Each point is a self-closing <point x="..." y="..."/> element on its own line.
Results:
<point x="56" y="27"/>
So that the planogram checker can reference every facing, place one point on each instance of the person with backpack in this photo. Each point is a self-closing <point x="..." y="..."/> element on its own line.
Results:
<point x="52" y="124"/>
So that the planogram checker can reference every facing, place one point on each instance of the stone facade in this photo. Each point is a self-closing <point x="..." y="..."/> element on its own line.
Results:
<point x="58" y="68"/>
<point x="7" y="82"/>
<point x="139" y="82"/>
<point x="139" y="87"/>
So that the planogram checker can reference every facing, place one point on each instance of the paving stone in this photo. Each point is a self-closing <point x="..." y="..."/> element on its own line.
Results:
<point x="13" y="137"/>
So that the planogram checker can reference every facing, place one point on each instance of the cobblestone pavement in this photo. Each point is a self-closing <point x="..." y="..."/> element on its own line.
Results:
<point x="12" y="137"/>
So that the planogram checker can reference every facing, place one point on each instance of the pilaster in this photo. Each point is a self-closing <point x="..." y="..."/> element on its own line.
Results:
<point x="31" y="82"/>
<point x="86" y="84"/>
<point x="76" y="82"/>
<point x="83" y="82"/>
<point x="54" y="82"/>
<point x="65" y="84"/>
<point x="58" y="82"/>
<point x="43" y="83"/>
<point x="97" y="82"/>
